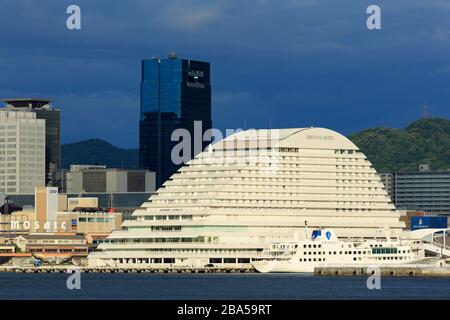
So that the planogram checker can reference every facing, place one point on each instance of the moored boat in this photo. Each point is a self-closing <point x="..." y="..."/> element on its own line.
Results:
<point x="323" y="248"/>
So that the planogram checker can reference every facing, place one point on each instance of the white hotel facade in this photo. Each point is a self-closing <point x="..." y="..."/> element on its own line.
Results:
<point x="248" y="190"/>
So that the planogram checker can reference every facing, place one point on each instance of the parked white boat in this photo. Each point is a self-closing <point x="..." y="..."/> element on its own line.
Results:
<point x="323" y="248"/>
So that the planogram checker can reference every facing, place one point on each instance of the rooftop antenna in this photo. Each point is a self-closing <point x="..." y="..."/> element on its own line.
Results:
<point x="425" y="111"/>
<point x="245" y="123"/>
<point x="270" y="123"/>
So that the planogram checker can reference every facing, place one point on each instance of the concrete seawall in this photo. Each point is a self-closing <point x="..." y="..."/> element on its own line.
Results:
<point x="65" y="269"/>
<point x="412" y="270"/>
<point x="405" y="270"/>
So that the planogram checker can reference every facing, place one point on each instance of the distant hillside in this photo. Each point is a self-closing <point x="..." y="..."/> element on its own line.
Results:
<point x="97" y="151"/>
<point x="426" y="140"/>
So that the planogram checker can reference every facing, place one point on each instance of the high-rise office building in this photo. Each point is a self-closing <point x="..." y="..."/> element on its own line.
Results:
<point x="22" y="155"/>
<point x="174" y="94"/>
<point x="44" y="110"/>
<point x="425" y="190"/>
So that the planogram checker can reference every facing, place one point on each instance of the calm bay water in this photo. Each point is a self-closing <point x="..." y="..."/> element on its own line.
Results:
<point x="218" y="286"/>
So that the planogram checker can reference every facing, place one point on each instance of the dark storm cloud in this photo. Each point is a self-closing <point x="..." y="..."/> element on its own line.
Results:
<point x="291" y="63"/>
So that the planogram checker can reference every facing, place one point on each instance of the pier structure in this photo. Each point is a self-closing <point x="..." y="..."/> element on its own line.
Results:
<point x="440" y="268"/>
<point x="402" y="270"/>
<point x="68" y="268"/>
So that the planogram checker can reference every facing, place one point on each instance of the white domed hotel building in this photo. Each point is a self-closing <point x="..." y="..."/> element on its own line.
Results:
<point x="248" y="190"/>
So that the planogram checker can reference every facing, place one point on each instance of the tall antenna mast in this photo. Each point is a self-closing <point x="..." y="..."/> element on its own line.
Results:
<point x="425" y="111"/>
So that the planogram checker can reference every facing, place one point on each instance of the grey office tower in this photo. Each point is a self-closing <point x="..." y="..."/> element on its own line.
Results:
<point x="44" y="110"/>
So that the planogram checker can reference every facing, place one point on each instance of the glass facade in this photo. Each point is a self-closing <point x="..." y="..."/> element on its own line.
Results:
<point x="52" y="143"/>
<point x="174" y="94"/>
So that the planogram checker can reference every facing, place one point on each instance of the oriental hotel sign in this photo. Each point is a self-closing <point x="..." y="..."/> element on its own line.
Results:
<point x="316" y="137"/>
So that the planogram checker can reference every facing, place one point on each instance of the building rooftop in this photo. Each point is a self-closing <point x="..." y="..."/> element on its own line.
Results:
<point x="121" y="200"/>
<point x="54" y="236"/>
<point x="27" y="102"/>
<point x="418" y="173"/>
<point x="310" y="138"/>
<point x="102" y="168"/>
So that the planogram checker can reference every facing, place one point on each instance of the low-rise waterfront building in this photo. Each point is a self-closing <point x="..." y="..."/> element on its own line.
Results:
<point x="7" y="249"/>
<point x="46" y="245"/>
<point x="84" y="217"/>
<point x="16" y="224"/>
<point x="74" y="204"/>
<point x="90" y="222"/>
<point x="24" y="222"/>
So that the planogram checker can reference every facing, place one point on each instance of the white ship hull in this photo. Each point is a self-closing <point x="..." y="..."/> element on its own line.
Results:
<point x="324" y="249"/>
<point x="267" y="266"/>
<point x="273" y="266"/>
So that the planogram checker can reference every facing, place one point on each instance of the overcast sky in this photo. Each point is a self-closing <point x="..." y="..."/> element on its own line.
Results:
<point x="285" y="62"/>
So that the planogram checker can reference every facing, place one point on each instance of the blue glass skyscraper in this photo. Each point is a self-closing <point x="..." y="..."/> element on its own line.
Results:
<point x="174" y="93"/>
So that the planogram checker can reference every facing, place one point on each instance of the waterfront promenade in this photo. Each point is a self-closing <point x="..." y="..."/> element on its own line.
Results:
<point x="404" y="270"/>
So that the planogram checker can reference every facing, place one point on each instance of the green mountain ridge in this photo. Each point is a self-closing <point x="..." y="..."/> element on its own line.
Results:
<point x="399" y="150"/>
<point x="98" y="152"/>
<point x="388" y="149"/>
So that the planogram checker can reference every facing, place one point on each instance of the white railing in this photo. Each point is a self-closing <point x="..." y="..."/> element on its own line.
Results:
<point x="437" y="248"/>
